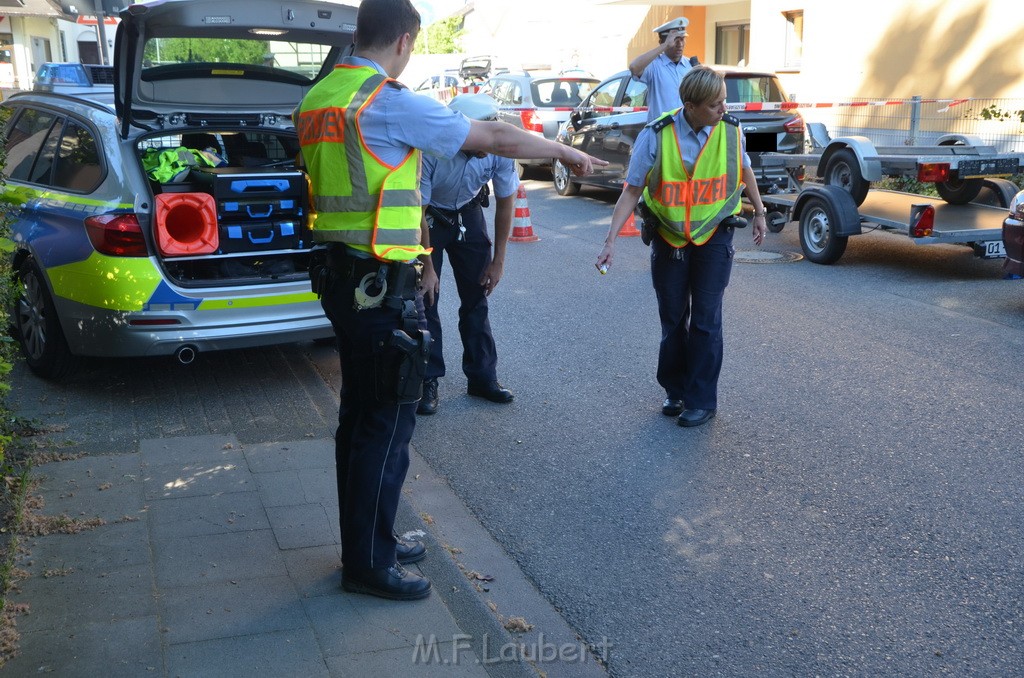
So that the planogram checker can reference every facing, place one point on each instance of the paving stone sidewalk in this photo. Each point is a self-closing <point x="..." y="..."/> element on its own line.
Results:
<point x="214" y="559"/>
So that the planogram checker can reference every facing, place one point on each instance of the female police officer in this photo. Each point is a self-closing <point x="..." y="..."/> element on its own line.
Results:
<point x="690" y="166"/>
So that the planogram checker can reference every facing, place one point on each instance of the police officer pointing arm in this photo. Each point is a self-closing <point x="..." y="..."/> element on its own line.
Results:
<point x="362" y="134"/>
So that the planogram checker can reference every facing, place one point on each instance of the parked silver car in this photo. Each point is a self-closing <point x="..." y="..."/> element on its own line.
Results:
<point x="538" y="104"/>
<point x="171" y="220"/>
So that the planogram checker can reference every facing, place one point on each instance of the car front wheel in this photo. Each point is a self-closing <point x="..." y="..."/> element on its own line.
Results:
<point x="37" y="326"/>
<point x="564" y="185"/>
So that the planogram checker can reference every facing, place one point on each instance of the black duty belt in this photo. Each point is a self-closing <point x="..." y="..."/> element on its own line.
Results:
<point x="402" y="278"/>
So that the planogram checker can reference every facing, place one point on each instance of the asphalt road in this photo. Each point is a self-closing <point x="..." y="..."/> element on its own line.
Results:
<point x="854" y="509"/>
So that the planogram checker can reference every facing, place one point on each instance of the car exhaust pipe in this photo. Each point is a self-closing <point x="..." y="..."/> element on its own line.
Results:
<point x="186" y="354"/>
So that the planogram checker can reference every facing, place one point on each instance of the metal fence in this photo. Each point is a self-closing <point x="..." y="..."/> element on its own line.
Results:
<point x="920" y="122"/>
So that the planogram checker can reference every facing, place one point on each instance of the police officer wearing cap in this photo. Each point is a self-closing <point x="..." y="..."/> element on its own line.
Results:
<point x="362" y="136"/>
<point x="690" y="166"/>
<point x="454" y="193"/>
<point x="663" y="67"/>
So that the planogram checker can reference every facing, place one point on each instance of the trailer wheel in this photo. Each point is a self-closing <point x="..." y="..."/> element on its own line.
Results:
<point x="818" y="237"/>
<point x="843" y="170"/>
<point x="959" y="191"/>
<point x="776" y="221"/>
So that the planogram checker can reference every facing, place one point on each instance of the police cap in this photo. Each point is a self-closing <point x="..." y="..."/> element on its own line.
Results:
<point x="475" y="106"/>
<point x="676" y="24"/>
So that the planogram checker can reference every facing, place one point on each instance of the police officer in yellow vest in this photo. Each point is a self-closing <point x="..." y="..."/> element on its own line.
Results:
<point x="361" y="134"/>
<point x="691" y="167"/>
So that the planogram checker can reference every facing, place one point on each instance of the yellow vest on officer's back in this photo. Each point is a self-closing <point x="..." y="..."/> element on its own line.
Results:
<point x="690" y="208"/>
<point x="357" y="198"/>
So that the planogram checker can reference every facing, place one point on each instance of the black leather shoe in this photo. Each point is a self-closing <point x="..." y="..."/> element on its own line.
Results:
<point x="393" y="583"/>
<point x="671" y="407"/>
<point x="493" y="391"/>
<point x="428" y="403"/>
<point x="695" y="417"/>
<point x="407" y="552"/>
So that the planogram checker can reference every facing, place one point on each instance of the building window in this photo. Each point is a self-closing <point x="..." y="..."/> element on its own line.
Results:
<point x="732" y="44"/>
<point x="794" y="38"/>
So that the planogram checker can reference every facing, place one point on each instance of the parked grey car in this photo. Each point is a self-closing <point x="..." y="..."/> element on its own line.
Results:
<point x="538" y="104"/>
<point x="607" y="122"/>
<point x="171" y="220"/>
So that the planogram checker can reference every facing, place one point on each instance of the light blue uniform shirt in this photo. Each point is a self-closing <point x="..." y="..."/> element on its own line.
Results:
<point x="399" y="120"/>
<point x="451" y="183"/>
<point x="662" y="77"/>
<point x="646" y="146"/>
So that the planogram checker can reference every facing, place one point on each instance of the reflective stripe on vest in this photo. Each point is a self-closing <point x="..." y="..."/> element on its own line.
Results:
<point x="357" y="198"/>
<point x="690" y="208"/>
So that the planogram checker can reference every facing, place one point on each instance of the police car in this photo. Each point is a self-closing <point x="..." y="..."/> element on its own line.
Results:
<point x="169" y="218"/>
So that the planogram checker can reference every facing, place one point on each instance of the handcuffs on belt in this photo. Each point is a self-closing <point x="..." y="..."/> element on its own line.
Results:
<point x="363" y="298"/>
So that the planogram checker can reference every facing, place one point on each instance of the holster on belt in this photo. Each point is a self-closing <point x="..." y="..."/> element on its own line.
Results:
<point x="648" y="221"/>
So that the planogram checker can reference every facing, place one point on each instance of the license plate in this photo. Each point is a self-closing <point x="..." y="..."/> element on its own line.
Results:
<point x="993" y="249"/>
<point x="986" y="168"/>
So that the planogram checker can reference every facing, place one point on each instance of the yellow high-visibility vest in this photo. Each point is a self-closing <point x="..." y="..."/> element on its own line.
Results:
<point x="357" y="198"/>
<point x="689" y="208"/>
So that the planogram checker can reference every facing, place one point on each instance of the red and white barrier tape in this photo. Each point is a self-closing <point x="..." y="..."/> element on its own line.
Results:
<point x="789" y="105"/>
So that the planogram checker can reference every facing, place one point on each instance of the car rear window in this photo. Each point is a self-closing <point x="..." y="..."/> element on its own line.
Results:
<point x="753" y="89"/>
<point x="168" y="58"/>
<point x="561" y="92"/>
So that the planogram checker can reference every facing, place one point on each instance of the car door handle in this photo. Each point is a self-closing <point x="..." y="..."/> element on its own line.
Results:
<point x="605" y="128"/>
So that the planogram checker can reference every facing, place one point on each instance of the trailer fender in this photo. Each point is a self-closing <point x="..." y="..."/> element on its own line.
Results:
<point x="840" y="201"/>
<point x="863" y="149"/>
<point x="959" y="139"/>
<point x="997" y="192"/>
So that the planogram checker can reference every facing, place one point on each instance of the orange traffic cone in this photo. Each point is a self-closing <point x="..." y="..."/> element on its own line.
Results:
<point x="522" y="228"/>
<point x="629" y="228"/>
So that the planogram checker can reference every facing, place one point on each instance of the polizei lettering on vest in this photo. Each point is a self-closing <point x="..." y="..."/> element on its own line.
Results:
<point x="323" y="125"/>
<point x="694" y="192"/>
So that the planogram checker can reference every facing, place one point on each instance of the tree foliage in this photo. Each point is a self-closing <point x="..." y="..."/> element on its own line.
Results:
<point x="441" y="37"/>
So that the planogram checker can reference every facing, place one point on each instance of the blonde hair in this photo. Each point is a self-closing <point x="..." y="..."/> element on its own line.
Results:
<point x="701" y="85"/>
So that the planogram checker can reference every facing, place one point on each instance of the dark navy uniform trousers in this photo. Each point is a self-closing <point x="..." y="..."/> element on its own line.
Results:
<point x="372" y="440"/>
<point x="690" y="292"/>
<point x="469" y="257"/>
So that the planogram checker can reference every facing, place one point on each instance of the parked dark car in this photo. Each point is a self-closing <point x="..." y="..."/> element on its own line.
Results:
<point x="538" y="104"/>
<point x="1013" y="237"/>
<point x="607" y="122"/>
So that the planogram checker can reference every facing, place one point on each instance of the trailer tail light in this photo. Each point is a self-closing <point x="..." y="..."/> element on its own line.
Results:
<point x="922" y="220"/>
<point x="532" y="121"/>
<point x="930" y="172"/>
<point x="118" y="235"/>
<point x="794" y="126"/>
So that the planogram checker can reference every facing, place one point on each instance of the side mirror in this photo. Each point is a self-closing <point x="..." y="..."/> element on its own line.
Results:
<point x="575" y="118"/>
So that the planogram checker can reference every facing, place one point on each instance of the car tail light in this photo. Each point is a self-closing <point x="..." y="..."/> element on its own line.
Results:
<point x="933" y="171"/>
<point x="794" y="125"/>
<point x="118" y="235"/>
<point x="532" y="121"/>
<point x="922" y="221"/>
